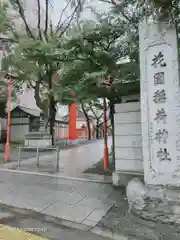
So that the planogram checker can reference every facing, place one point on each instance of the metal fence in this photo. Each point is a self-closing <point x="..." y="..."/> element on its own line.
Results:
<point x="57" y="149"/>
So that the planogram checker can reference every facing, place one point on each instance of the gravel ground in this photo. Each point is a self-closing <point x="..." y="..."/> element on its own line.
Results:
<point x="120" y="220"/>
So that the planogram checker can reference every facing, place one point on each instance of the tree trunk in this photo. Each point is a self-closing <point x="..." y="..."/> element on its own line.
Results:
<point x="88" y="122"/>
<point x="89" y="129"/>
<point x="52" y="108"/>
<point x="37" y="95"/>
<point x="97" y="129"/>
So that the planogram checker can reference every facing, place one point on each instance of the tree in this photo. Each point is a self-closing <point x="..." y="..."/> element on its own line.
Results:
<point x="36" y="63"/>
<point x="95" y="55"/>
<point x="5" y="25"/>
<point x="98" y="47"/>
<point x="5" y="21"/>
<point x="96" y="108"/>
<point x="85" y="110"/>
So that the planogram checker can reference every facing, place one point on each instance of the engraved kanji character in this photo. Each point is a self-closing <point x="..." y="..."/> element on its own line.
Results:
<point x="159" y="78"/>
<point x="158" y="60"/>
<point x="163" y="155"/>
<point x="162" y="135"/>
<point x="159" y="96"/>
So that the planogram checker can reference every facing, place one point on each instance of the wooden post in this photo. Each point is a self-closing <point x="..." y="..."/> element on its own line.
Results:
<point x="72" y="122"/>
<point x="7" y="147"/>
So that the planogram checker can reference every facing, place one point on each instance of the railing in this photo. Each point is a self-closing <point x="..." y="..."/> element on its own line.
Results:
<point x="57" y="149"/>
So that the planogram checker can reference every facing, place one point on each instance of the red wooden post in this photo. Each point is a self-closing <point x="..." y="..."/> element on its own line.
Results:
<point x="7" y="148"/>
<point x="72" y="119"/>
<point x="72" y="122"/>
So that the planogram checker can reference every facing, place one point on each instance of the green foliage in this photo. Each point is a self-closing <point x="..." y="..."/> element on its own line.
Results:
<point x="83" y="58"/>
<point x="17" y="63"/>
<point x="5" y="21"/>
<point x="96" y="49"/>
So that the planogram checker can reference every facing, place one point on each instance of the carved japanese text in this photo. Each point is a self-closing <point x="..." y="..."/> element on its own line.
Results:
<point x="158" y="60"/>
<point x="159" y="96"/>
<point x="159" y="78"/>
<point x="161" y="116"/>
<point x="163" y="155"/>
<point x="162" y="135"/>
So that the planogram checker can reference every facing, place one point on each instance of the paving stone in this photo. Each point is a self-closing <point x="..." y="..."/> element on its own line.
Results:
<point x="97" y="214"/>
<point x="93" y="202"/>
<point x="58" y="209"/>
<point x="78" y="213"/>
<point x="89" y="223"/>
<point x="64" y="197"/>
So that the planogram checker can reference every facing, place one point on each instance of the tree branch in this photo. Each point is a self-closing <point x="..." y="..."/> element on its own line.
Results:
<point x="106" y="1"/>
<point x="39" y="19"/>
<point x="103" y="112"/>
<point x="46" y="18"/>
<point x="93" y="112"/>
<point x="51" y="28"/>
<point x="120" y="5"/>
<point x="22" y="15"/>
<point x="31" y="84"/>
<point x="62" y="13"/>
<point x="102" y="123"/>
<point x="70" y="18"/>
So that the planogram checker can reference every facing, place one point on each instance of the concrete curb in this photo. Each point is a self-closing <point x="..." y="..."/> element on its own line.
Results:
<point x="9" y="213"/>
<point x="56" y="176"/>
<point x="109" y="233"/>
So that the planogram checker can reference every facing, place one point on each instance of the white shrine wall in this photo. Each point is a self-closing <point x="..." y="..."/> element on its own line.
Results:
<point x="128" y="140"/>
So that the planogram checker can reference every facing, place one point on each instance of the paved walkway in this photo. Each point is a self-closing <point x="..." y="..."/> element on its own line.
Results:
<point x="77" y="201"/>
<point x="73" y="162"/>
<point x="88" y="204"/>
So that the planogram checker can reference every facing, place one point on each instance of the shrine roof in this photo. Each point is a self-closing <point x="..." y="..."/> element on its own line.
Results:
<point x="33" y="112"/>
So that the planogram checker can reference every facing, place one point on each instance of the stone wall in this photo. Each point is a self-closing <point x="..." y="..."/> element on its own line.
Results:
<point x="128" y="140"/>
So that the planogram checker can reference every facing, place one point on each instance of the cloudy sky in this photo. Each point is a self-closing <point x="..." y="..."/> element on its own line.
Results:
<point x="58" y="5"/>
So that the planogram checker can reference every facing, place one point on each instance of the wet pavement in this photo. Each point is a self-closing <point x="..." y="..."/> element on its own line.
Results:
<point x="14" y="154"/>
<point x="28" y="154"/>
<point x="77" y="201"/>
<point x="88" y="204"/>
<point x="72" y="162"/>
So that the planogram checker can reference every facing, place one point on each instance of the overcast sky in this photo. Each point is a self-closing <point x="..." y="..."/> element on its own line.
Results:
<point x="58" y="5"/>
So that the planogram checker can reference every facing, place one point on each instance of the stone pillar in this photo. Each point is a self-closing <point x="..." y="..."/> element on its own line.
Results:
<point x="160" y="104"/>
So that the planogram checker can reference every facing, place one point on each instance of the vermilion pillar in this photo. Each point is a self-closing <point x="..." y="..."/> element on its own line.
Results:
<point x="72" y="122"/>
<point x="9" y="79"/>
